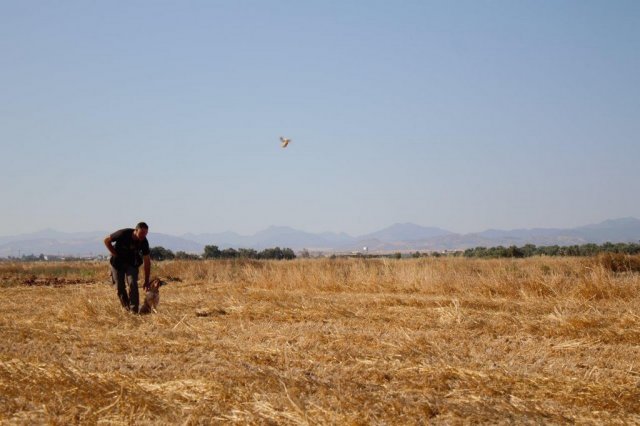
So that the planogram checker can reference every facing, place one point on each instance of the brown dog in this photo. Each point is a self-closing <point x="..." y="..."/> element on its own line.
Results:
<point x="152" y="297"/>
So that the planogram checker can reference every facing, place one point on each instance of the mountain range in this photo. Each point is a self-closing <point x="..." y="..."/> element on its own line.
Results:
<point x="397" y="237"/>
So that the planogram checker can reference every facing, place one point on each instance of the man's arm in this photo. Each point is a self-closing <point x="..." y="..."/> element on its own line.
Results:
<point x="107" y="243"/>
<point x="147" y="270"/>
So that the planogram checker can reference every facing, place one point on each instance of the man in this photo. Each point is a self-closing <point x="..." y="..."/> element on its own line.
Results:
<point x="130" y="251"/>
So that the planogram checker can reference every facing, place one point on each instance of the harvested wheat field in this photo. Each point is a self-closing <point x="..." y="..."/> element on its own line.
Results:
<point x="343" y="341"/>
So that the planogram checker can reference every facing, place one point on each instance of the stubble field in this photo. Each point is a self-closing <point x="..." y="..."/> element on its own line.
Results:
<point x="342" y="341"/>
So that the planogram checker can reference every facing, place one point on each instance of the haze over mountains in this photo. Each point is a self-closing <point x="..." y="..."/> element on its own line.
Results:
<point x="398" y="237"/>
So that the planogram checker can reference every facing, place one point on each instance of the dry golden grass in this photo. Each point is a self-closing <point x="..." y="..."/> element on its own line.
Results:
<point x="325" y="341"/>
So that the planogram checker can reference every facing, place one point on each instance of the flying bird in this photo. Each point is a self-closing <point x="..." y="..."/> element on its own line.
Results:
<point x="284" y="141"/>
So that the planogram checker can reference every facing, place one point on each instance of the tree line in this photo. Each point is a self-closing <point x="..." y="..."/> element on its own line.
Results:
<point x="277" y="253"/>
<point x="213" y="252"/>
<point x="529" y="250"/>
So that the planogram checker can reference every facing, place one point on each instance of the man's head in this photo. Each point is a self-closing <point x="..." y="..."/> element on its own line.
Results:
<point x="141" y="231"/>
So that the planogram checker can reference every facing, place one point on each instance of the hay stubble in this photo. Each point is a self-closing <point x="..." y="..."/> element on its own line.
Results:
<point x="325" y="341"/>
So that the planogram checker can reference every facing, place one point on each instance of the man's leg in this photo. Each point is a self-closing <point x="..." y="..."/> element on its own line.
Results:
<point x="118" y="278"/>
<point x="132" y="277"/>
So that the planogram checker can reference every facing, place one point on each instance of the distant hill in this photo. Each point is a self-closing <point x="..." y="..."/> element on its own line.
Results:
<point x="397" y="237"/>
<point x="81" y="244"/>
<point x="616" y="230"/>
<point x="51" y="234"/>
<point x="273" y="236"/>
<point x="406" y="232"/>
<point x="222" y="239"/>
<point x="622" y="230"/>
<point x="174" y="243"/>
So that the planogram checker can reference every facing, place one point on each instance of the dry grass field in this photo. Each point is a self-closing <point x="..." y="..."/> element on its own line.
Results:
<point x="343" y="341"/>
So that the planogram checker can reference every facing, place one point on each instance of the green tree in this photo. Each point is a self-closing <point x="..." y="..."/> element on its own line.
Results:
<point x="277" y="253"/>
<point x="211" y="252"/>
<point x="229" y="253"/>
<point x="529" y="250"/>
<point x="161" y="253"/>
<point x="186" y="256"/>
<point x="247" y="253"/>
<point x="513" y="251"/>
<point x="288" y="254"/>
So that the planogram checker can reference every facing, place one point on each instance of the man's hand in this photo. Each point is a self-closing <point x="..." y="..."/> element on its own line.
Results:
<point x="147" y="270"/>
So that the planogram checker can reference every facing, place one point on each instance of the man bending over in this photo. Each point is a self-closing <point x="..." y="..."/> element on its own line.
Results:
<point x="130" y="251"/>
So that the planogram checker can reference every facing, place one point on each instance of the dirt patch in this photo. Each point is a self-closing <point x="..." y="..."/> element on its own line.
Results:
<point x="54" y="281"/>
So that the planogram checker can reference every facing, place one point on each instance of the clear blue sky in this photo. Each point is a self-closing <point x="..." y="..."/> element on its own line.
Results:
<point x="465" y="115"/>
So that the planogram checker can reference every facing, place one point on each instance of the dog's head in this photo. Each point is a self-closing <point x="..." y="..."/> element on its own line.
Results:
<point x="155" y="284"/>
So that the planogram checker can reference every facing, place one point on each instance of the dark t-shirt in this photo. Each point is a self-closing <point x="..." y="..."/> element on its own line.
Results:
<point x="130" y="250"/>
